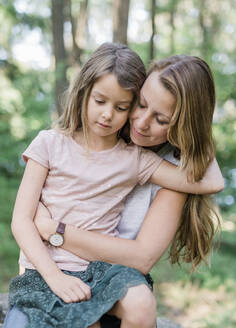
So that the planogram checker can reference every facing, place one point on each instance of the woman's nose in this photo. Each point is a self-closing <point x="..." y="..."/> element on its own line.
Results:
<point x="143" y="122"/>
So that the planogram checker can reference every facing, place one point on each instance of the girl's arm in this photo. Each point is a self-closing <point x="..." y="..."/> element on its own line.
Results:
<point x="157" y="231"/>
<point x="66" y="287"/>
<point x="172" y="177"/>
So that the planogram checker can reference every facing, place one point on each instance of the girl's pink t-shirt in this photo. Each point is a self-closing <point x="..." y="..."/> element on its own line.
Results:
<point x="84" y="189"/>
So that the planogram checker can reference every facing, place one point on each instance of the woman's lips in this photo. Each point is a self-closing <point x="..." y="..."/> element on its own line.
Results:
<point x="105" y="126"/>
<point x="137" y="134"/>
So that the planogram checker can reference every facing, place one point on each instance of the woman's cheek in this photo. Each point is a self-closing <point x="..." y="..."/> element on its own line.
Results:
<point x="160" y="134"/>
<point x="135" y="113"/>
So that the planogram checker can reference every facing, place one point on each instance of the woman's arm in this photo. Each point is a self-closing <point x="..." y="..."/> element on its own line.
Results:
<point x="28" y="237"/>
<point x="172" y="177"/>
<point x="157" y="231"/>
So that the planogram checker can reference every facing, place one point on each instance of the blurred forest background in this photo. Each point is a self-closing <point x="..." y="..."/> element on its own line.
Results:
<point x="42" y="44"/>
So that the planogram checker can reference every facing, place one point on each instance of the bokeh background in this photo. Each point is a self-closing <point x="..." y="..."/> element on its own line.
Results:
<point x="43" y="43"/>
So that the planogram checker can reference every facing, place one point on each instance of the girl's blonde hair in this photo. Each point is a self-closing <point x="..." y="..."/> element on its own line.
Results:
<point x="114" y="58"/>
<point x="191" y="82"/>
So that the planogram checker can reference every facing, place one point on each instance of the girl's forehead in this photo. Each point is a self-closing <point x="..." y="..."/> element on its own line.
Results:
<point x="108" y="86"/>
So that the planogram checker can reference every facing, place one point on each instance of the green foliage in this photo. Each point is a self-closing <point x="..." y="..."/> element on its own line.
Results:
<point x="143" y="50"/>
<point x="27" y="106"/>
<point x="24" y="110"/>
<point x="9" y="250"/>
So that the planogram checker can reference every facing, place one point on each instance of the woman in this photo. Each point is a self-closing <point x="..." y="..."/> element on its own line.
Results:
<point x="177" y="103"/>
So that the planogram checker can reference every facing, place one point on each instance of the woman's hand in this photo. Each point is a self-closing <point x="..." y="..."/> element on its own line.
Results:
<point x="45" y="225"/>
<point x="68" y="288"/>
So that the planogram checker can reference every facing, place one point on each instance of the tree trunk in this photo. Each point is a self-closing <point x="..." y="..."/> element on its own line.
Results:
<point x="173" y="5"/>
<point x="79" y="23"/>
<point x="82" y="25"/>
<point x="120" y="20"/>
<point x="59" y="50"/>
<point x="203" y="28"/>
<point x="152" y="46"/>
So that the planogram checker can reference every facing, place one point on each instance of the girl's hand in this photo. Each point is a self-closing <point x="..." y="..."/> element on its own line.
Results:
<point x="68" y="288"/>
<point x="45" y="225"/>
<point x="213" y="177"/>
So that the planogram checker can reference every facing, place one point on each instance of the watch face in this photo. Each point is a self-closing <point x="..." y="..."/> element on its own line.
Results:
<point x="56" y="240"/>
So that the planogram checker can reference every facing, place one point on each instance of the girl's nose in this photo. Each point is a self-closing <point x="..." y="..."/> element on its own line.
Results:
<point x="107" y="113"/>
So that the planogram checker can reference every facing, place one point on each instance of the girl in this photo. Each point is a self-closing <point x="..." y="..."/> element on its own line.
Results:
<point x="100" y="98"/>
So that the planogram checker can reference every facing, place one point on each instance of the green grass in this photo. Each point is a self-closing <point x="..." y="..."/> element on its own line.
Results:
<point x="204" y="299"/>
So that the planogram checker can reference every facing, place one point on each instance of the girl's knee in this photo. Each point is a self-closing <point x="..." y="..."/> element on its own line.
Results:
<point x="139" y="297"/>
<point x="138" y="306"/>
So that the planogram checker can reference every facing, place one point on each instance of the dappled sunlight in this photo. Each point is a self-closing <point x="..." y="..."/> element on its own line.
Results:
<point x="11" y="99"/>
<point x="190" y="305"/>
<point x="30" y="50"/>
<point x="230" y="108"/>
<point x="228" y="226"/>
<point x="18" y="126"/>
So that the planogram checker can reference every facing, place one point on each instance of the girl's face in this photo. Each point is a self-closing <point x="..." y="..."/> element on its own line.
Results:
<point x="149" y="121"/>
<point x="108" y="108"/>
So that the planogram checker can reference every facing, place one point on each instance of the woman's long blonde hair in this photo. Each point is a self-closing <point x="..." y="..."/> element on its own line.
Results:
<point x="114" y="58"/>
<point x="190" y="80"/>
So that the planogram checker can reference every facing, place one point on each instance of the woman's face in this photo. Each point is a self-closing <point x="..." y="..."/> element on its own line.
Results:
<point x="150" y="120"/>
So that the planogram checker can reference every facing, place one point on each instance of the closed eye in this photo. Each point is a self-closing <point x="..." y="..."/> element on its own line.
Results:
<point x="99" y="101"/>
<point x="161" y="122"/>
<point x="122" y="109"/>
<point x="141" y="105"/>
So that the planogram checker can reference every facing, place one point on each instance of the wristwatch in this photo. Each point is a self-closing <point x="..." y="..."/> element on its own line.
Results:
<point x="57" y="238"/>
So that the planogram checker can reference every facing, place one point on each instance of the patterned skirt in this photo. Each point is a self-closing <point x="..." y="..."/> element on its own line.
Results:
<point x="108" y="283"/>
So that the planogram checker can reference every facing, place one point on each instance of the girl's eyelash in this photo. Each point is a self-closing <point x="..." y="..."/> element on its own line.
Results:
<point x="99" y="101"/>
<point x="122" y="109"/>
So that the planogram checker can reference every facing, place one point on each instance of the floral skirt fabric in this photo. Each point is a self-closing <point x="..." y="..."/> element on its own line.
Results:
<point x="108" y="283"/>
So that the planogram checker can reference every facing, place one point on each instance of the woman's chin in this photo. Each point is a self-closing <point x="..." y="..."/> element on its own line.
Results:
<point x="140" y="142"/>
<point x="147" y="143"/>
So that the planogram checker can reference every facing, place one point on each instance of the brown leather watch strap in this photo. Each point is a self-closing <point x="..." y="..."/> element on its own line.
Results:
<point x="61" y="228"/>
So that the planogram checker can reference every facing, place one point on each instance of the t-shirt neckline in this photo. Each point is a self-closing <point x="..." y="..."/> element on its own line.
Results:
<point x="83" y="150"/>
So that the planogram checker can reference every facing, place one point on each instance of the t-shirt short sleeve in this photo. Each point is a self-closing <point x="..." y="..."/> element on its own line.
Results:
<point x="167" y="152"/>
<point x="38" y="149"/>
<point x="148" y="163"/>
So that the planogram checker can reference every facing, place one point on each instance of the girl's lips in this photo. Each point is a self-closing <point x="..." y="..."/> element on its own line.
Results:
<point x="136" y="133"/>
